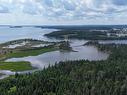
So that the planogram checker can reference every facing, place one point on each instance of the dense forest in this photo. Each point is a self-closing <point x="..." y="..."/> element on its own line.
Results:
<point x="85" y="34"/>
<point x="81" y="77"/>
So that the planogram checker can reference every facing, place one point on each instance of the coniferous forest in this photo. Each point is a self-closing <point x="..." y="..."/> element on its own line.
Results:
<point x="81" y="77"/>
<point x="63" y="47"/>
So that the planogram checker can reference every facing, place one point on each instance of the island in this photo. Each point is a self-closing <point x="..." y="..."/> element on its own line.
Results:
<point x="90" y="34"/>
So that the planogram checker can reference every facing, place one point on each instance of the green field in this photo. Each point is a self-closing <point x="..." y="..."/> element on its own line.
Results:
<point x="30" y="52"/>
<point x="15" y="66"/>
<point x="22" y="66"/>
<point x="23" y="52"/>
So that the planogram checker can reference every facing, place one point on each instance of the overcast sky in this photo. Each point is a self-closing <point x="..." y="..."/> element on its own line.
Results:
<point x="50" y="12"/>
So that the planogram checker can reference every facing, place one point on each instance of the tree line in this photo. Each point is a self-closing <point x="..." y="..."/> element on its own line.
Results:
<point x="81" y="77"/>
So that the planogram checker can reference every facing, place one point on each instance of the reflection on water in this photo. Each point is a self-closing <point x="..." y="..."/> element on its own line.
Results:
<point x="6" y="73"/>
<point x="43" y="60"/>
<point x="83" y="52"/>
<point x="113" y="42"/>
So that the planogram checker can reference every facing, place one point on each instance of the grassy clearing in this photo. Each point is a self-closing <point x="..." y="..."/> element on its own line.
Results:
<point x="22" y="66"/>
<point x="21" y="52"/>
<point x="29" y="52"/>
<point x="15" y="66"/>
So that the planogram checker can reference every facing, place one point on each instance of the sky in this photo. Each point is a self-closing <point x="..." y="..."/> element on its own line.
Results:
<point x="63" y="12"/>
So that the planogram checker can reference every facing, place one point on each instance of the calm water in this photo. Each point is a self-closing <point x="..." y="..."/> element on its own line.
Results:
<point x="8" y="34"/>
<point x="83" y="52"/>
<point x="43" y="60"/>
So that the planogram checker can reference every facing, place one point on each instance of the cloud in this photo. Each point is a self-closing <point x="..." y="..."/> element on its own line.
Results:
<point x="66" y="9"/>
<point x="3" y="9"/>
<point x="120" y="2"/>
<point x="70" y="6"/>
<point x="48" y="2"/>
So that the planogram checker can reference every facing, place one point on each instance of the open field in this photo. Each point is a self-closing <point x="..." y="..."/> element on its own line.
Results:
<point x="15" y="66"/>
<point x="21" y="66"/>
<point x="22" y="51"/>
<point x="30" y="52"/>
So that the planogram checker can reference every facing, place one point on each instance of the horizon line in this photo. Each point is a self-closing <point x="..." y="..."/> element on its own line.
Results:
<point x="66" y="25"/>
